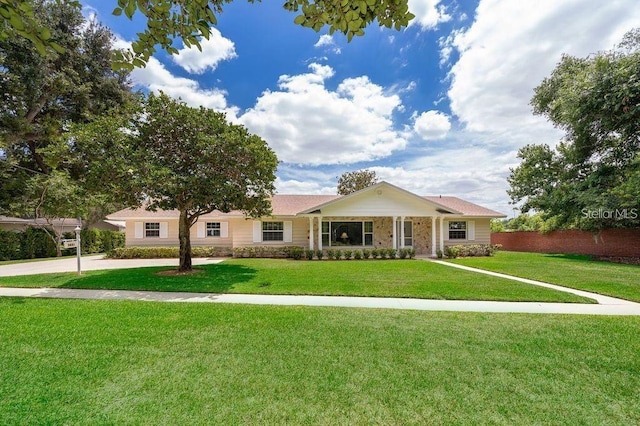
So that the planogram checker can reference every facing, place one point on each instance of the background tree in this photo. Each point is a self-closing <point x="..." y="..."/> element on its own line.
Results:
<point x="183" y="158"/>
<point x="190" y="20"/>
<point x="42" y="96"/>
<point x="596" y="101"/>
<point x="349" y="182"/>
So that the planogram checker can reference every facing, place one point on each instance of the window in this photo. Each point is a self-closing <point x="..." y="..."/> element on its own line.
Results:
<point x="213" y="229"/>
<point x="408" y="233"/>
<point x="152" y="230"/>
<point x="347" y="234"/>
<point x="458" y="230"/>
<point x="272" y="231"/>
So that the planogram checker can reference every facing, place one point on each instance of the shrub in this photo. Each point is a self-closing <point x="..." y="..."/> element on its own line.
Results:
<point x="439" y="253"/>
<point x="309" y="254"/>
<point x="99" y="240"/>
<point x="10" y="248"/>
<point x="331" y="254"/>
<point x="391" y="252"/>
<point x="374" y="253"/>
<point x="337" y="254"/>
<point x="357" y="255"/>
<point x="476" y="250"/>
<point x="165" y="252"/>
<point x="366" y="253"/>
<point x="348" y="254"/>
<point x="319" y="254"/>
<point x="383" y="253"/>
<point x="36" y="244"/>
<point x="265" y="251"/>
<point x="296" y="253"/>
<point x="452" y="251"/>
<point x="403" y="253"/>
<point x="412" y="253"/>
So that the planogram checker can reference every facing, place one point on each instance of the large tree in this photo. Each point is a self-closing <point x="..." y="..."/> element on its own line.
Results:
<point x="43" y="95"/>
<point x="190" y="20"/>
<point x="589" y="180"/>
<point x="349" y="182"/>
<point x="183" y="158"/>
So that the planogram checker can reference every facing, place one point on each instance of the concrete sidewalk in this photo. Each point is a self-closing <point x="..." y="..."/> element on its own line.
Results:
<point x="623" y="308"/>
<point x="90" y="263"/>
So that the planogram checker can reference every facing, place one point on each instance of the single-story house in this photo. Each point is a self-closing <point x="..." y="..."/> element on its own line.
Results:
<point x="18" y="224"/>
<point x="382" y="215"/>
<point x="62" y="225"/>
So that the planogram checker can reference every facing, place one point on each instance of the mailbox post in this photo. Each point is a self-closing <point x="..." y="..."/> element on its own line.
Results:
<point x="78" y="229"/>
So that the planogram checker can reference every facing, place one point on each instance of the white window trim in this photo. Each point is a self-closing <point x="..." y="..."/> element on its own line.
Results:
<point x="362" y="222"/>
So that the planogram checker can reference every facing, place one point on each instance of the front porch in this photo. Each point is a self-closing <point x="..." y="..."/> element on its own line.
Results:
<point x="425" y="234"/>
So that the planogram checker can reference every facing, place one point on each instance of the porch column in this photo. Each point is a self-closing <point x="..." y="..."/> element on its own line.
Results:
<point x="310" y="232"/>
<point x="441" y="233"/>
<point x="319" y="232"/>
<point x="393" y="232"/>
<point x="433" y="236"/>
<point x="401" y="231"/>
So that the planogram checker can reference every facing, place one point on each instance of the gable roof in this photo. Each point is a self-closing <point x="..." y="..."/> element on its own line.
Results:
<point x="293" y="205"/>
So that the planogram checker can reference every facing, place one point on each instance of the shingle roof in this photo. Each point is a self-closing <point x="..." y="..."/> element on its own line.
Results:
<point x="56" y="222"/>
<point x="290" y="205"/>
<point x="465" y="207"/>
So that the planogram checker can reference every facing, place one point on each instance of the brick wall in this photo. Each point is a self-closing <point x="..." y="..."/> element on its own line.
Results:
<point x="610" y="242"/>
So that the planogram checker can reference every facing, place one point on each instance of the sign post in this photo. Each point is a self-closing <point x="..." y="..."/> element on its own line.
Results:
<point x="78" y="229"/>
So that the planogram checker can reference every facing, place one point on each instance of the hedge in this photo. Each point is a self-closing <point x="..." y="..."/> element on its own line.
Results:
<point x="34" y="242"/>
<point x="166" y="252"/>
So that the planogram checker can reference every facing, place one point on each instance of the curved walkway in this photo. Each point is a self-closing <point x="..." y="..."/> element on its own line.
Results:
<point x="606" y="305"/>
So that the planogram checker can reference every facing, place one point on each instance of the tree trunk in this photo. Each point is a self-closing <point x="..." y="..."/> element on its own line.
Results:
<point x="185" y="242"/>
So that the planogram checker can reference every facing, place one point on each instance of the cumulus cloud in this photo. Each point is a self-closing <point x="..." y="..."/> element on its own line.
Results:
<point x="327" y="42"/>
<point x="432" y="125"/>
<point x="214" y="50"/>
<point x="511" y="46"/>
<point x="429" y="13"/>
<point x="306" y="123"/>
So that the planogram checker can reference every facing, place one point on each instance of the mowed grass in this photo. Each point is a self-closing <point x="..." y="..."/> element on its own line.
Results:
<point x="573" y="271"/>
<point x="115" y="362"/>
<point x="398" y="278"/>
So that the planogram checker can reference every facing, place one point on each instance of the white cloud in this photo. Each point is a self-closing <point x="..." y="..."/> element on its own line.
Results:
<point x="214" y="51"/>
<point x="305" y="123"/>
<point x="447" y="172"/>
<point x="293" y="186"/>
<point x="432" y="125"/>
<point x="512" y="45"/>
<point x="428" y="13"/>
<point x="327" y="42"/>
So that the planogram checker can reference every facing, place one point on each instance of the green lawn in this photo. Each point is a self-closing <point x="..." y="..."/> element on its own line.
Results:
<point x="573" y="271"/>
<point x="398" y="278"/>
<point x="115" y="362"/>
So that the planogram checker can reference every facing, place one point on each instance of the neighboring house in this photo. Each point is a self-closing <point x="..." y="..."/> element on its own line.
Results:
<point x="60" y="225"/>
<point x="381" y="215"/>
<point x="18" y="224"/>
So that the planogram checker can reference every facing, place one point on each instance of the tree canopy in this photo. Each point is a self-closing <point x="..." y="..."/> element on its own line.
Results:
<point x="354" y="181"/>
<point x="191" y="20"/>
<point x="43" y="94"/>
<point x="590" y="180"/>
<point x="183" y="158"/>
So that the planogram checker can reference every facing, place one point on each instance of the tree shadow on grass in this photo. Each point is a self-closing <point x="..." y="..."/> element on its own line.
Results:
<point x="216" y="278"/>
<point x="574" y="257"/>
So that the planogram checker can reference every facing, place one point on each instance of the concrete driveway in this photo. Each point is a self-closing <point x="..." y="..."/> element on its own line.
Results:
<point x="90" y="263"/>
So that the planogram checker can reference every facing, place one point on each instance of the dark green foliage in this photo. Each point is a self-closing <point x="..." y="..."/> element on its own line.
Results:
<point x="347" y="254"/>
<point x="296" y="253"/>
<point x="357" y="255"/>
<point x="308" y="253"/>
<point x="319" y="254"/>
<point x="375" y="253"/>
<point x="350" y="182"/>
<point x="366" y="253"/>
<point x="264" y="252"/>
<point x="99" y="241"/>
<point x="10" y="245"/>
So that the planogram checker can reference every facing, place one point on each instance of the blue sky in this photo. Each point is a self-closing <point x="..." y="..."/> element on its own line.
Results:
<point x="439" y="108"/>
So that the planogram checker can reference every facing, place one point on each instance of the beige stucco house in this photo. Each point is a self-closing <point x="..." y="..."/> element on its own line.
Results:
<point x="382" y="215"/>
